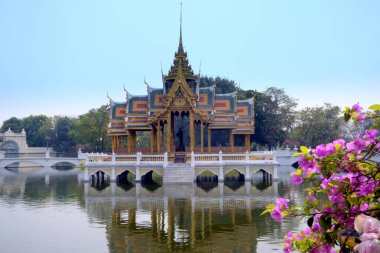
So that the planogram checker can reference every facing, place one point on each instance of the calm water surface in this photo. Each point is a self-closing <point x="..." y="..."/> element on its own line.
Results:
<point x="47" y="210"/>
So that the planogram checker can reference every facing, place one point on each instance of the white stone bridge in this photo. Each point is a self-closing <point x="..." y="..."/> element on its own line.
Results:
<point x="39" y="159"/>
<point x="112" y="166"/>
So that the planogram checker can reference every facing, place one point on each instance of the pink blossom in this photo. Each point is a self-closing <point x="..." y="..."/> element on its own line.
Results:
<point x="371" y="134"/>
<point x="287" y="248"/>
<point x="289" y="237"/>
<point x="282" y="203"/>
<point x="357" y="108"/>
<point x="324" y="150"/>
<point x="311" y="198"/>
<point x="296" y="179"/>
<point x="357" y="145"/>
<point x="360" y="117"/>
<point x="325" y="248"/>
<point x="339" y="141"/>
<point x="276" y="214"/>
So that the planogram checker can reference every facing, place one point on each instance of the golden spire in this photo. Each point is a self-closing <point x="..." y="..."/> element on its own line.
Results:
<point x="180" y="46"/>
<point x="180" y="59"/>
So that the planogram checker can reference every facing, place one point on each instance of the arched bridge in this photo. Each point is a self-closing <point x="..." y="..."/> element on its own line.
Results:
<point x="44" y="160"/>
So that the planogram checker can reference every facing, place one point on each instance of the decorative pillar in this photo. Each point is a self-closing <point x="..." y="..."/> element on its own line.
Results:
<point x="192" y="132"/>
<point x="158" y="137"/>
<point x="209" y="139"/>
<point x="113" y="143"/>
<point x="202" y="144"/>
<point x="152" y="140"/>
<point x="231" y="141"/>
<point x="162" y="134"/>
<point x="169" y="132"/>
<point x="129" y="143"/>
<point x="247" y="142"/>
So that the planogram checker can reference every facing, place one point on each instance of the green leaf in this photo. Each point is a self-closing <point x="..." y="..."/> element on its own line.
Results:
<point x="304" y="150"/>
<point x="325" y="222"/>
<point x="375" y="107"/>
<point x="265" y="211"/>
<point x="310" y="221"/>
<point x="297" y="154"/>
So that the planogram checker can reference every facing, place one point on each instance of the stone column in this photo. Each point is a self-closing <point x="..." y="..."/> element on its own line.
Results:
<point x="113" y="174"/>
<point x="221" y="174"/>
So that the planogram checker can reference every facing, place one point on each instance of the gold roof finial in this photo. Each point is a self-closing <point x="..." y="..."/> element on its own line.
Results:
<point x="180" y="46"/>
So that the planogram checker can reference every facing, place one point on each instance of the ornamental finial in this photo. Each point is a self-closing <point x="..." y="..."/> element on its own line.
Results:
<point x="180" y="47"/>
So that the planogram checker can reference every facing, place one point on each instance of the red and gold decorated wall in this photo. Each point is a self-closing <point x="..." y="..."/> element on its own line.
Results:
<point x="222" y="105"/>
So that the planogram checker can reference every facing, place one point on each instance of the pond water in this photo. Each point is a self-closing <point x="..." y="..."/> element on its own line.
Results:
<point x="49" y="210"/>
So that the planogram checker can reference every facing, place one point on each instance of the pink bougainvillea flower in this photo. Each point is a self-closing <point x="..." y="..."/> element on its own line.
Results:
<point x="325" y="248"/>
<point x="282" y="203"/>
<point x="324" y="150"/>
<point x="296" y="179"/>
<point x="276" y="214"/>
<point x="360" y="117"/>
<point x="339" y="141"/>
<point x="357" y="108"/>
<point x="371" y="134"/>
<point x="356" y="146"/>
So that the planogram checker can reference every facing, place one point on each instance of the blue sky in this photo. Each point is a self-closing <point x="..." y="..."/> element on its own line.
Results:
<point x="62" y="57"/>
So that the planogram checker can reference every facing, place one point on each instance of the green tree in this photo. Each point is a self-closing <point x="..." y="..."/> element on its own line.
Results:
<point x="32" y="125"/>
<point x="63" y="141"/>
<point x="316" y="125"/>
<point x="223" y="85"/>
<point x="274" y="116"/>
<point x="90" y="130"/>
<point x="13" y="123"/>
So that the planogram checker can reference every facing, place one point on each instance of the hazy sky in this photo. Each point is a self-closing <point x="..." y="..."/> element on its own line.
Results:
<point x="61" y="57"/>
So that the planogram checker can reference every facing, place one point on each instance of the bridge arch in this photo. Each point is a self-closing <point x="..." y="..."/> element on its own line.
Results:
<point x="11" y="149"/>
<point x="206" y="175"/>
<point x="234" y="175"/>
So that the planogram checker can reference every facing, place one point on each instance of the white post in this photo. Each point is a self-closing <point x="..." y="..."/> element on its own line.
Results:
<point x="247" y="156"/>
<point x="85" y="177"/>
<point x="47" y="155"/>
<point x="138" y="176"/>
<point x="138" y="158"/>
<point x="80" y="153"/>
<point x="113" y="157"/>
<point x="221" y="174"/>
<point x="220" y="157"/>
<point x="166" y="159"/>
<point x="274" y="157"/>
<point x="192" y="159"/>
<point x="247" y="174"/>
<point x="2" y="154"/>
<point x="275" y="175"/>
<point x="87" y="159"/>
<point x="113" y="175"/>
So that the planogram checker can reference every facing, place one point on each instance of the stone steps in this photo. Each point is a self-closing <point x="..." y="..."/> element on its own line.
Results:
<point x="178" y="173"/>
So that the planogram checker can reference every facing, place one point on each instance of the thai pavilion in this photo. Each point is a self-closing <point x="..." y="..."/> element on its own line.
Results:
<point x="182" y="116"/>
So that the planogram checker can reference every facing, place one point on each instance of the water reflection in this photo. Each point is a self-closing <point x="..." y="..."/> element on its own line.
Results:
<point x="139" y="217"/>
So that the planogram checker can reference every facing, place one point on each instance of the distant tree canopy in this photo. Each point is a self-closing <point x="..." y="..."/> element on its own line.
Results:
<point x="276" y="122"/>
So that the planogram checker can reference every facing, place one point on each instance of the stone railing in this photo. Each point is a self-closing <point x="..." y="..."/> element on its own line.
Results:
<point x="138" y="158"/>
<point x="220" y="158"/>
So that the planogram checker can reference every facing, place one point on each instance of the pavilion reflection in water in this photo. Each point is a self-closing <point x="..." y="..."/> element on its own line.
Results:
<point x="181" y="217"/>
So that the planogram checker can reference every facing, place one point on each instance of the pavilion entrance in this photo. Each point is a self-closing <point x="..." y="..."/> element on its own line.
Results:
<point x="181" y="130"/>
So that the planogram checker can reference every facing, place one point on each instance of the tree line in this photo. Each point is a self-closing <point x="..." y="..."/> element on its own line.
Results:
<point x="278" y="122"/>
